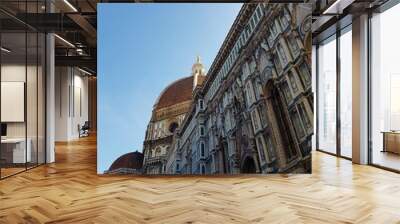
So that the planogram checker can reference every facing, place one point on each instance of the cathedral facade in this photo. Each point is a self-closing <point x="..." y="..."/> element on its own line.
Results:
<point x="168" y="114"/>
<point x="252" y="113"/>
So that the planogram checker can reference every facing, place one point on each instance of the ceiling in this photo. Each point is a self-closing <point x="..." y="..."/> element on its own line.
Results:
<point x="332" y="15"/>
<point x="75" y="23"/>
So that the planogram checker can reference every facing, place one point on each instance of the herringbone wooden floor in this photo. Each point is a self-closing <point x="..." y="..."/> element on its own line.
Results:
<point x="69" y="191"/>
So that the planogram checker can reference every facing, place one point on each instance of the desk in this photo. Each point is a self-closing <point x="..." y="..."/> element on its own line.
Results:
<point x="391" y="141"/>
<point x="13" y="150"/>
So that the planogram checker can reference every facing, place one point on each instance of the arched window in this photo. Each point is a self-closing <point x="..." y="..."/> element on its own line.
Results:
<point x="201" y="104"/>
<point x="172" y="127"/>
<point x="158" y="151"/>
<point x="293" y="83"/>
<point x="202" y="149"/>
<point x="202" y="131"/>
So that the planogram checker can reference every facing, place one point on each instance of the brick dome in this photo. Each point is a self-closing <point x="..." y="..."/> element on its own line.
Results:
<point x="133" y="160"/>
<point x="177" y="92"/>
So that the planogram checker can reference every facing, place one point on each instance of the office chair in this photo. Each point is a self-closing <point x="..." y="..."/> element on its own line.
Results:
<point x="84" y="130"/>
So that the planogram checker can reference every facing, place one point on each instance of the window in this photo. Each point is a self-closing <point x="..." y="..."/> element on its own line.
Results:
<point x="294" y="46"/>
<point x="256" y="120"/>
<point x="172" y="127"/>
<point x="202" y="150"/>
<point x="282" y="55"/>
<point x="177" y="167"/>
<point x="304" y="116"/>
<point x="284" y="20"/>
<point x="327" y="95"/>
<point x="278" y="65"/>
<point x="346" y="94"/>
<point x="263" y="114"/>
<point x="286" y="92"/>
<point x="293" y="83"/>
<point x="298" y="126"/>
<point x="385" y="88"/>
<point x="202" y="131"/>
<point x="258" y="88"/>
<point x="305" y="75"/>
<point x="286" y="14"/>
<point x="227" y="121"/>
<point x="201" y="104"/>
<point x="232" y="119"/>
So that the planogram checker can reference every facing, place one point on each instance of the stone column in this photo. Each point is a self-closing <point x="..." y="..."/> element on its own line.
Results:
<point x="254" y="153"/>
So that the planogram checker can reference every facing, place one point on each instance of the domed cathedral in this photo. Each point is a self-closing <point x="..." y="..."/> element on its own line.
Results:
<point x="168" y="114"/>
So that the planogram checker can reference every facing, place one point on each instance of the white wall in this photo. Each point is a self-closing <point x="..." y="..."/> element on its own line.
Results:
<point x="71" y="102"/>
<point x="81" y="89"/>
<point x="62" y="82"/>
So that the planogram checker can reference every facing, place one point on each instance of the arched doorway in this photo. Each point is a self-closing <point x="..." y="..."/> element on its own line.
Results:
<point x="249" y="165"/>
<point x="279" y="116"/>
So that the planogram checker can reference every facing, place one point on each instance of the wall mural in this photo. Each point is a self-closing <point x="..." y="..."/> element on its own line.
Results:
<point x="251" y="112"/>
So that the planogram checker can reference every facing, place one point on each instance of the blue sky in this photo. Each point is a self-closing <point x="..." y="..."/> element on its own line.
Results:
<point x="141" y="49"/>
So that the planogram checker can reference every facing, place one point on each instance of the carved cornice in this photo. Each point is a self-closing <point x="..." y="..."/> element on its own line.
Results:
<point x="172" y="111"/>
<point x="160" y="141"/>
